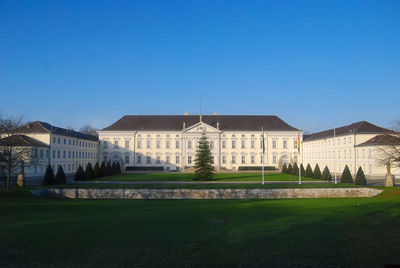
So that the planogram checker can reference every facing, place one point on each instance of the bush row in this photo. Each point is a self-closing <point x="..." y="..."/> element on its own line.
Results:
<point x="81" y="175"/>
<point x="325" y="175"/>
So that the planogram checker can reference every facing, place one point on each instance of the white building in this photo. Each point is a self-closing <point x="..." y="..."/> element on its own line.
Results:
<point x="169" y="142"/>
<point x="353" y="145"/>
<point x="67" y="148"/>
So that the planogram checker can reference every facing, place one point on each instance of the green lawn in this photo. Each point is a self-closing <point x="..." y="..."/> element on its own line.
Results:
<point x="348" y="232"/>
<point x="190" y="176"/>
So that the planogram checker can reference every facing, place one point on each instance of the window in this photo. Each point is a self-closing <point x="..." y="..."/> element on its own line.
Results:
<point x="253" y="159"/>
<point x="233" y="144"/>
<point x="189" y="159"/>
<point x="115" y="144"/>
<point x="126" y="159"/>
<point x="54" y="139"/>
<point x="262" y="159"/>
<point x="148" y="144"/>
<point x="363" y="153"/>
<point x="139" y="159"/>
<point x="252" y="144"/>
<point x="211" y="144"/>
<point x="224" y="159"/>
<point x="65" y="141"/>
<point x="168" y="144"/>
<point x="349" y="153"/>
<point x="105" y="144"/>
<point x="295" y="158"/>
<point x="35" y="152"/>
<point x="284" y="144"/>
<point x="243" y="144"/>
<point x="295" y="144"/>
<point x="158" y="144"/>
<point x="158" y="159"/>
<point x="349" y="140"/>
<point x="369" y="153"/>
<point x="233" y="159"/>
<point x="189" y="144"/>
<point x="58" y="154"/>
<point x="338" y="141"/>
<point x="148" y="160"/>
<point x="59" y="140"/>
<point x="139" y="144"/>
<point x="73" y="154"/>
<point x="41" y="153"/>
<point x="273" y="144"/>
<point x="274" y="159"/>
<point x="127" y="144"/>
<point x="69" y="142"/>
<point x="64" y="154"/>
<point x="243" y="159"/>
<point x="177" y="159"/>
<point x="344" y="140"/>
<point x="168" y="159"/>
<point x="47" y="153"/>
<point x="344" y="156"/>
<point x="177" y="144"/>
<point x="338" y="154"/>
<point x="223" y="144"/>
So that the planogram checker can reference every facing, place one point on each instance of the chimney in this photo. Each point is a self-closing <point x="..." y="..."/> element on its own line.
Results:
<point x="185" y="113"/>
<point x="215" y="113"/>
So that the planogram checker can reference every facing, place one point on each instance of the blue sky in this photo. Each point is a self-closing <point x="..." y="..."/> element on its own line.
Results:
<point x="316" y="64"/>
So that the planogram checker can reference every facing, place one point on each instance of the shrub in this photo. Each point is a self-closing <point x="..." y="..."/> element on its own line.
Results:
<point x="254" y="168"/>
<point x="317" y="173"/>
<point x="295" y="169"/>
<point x="112" y="169"/>
<point x="289" y="169"/>
<point x="346" y="176"/>
<point x="303" y="171"/>
<point x="103" y="169"/>
<point x="89" y="174"/>
<point x="309" y="172"/>
<point x="80" y="174"/>
<point x="326" y="174"/>
<point x="108" y="169"/>
<point x="60" y="176"/>
<point x="49" y="178"/>
<point x="360" y="177"/>
<point x="118" y="168"/>
<point x="97" y="171"/>
<point x="284" y="169"/>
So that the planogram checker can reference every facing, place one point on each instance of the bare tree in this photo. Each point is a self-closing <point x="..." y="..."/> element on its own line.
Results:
<point x="87" y="129"/>
<point x="16" y="156"/>
<point x="388" y="150"/>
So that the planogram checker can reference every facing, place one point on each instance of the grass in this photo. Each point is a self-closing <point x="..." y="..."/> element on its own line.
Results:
<point x="190" y="176"/>
<point x="346" y="232"/>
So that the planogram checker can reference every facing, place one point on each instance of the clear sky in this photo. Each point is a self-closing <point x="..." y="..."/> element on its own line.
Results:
<point x="316" y="64"/>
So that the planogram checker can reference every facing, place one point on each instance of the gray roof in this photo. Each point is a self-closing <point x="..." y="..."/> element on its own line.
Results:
<point x="175" y="122"/>
<point x="43" y="127"/>
<point x="21" y="141"/>
<point x="362" y="127"/>
<point x="383" y="139"/>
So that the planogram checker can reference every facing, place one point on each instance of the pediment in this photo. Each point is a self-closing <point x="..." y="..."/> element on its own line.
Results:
<point x="200" y="128"/>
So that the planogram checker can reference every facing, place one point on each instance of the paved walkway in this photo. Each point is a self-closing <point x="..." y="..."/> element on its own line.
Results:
<point x="196" y="182"/>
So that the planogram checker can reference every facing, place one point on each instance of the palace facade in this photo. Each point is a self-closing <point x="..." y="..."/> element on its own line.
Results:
<point x="55" y="146"/>
<point x="169" y="142"/>
<point x="355" y="145"/>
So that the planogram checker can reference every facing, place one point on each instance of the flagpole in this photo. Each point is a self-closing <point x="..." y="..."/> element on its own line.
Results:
<point x="263" y="149"/>
<point x="334" y="143"/>
<point x="298" y="148"/>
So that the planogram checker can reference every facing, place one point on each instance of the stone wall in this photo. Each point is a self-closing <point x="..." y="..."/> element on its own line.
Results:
<point x="207" y="193"/>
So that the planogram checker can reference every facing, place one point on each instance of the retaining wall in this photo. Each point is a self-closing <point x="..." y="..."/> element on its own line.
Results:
<point x="207" y="193"/>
